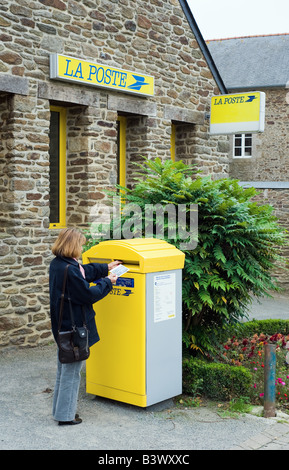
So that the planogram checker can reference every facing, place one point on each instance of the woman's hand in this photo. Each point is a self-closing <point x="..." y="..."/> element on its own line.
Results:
<point x="113" y="264"/>
<point x="113" y="278"/>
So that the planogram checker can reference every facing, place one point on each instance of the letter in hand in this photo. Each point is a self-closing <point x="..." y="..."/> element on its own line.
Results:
<point x="113" y="264"/>
<point x="113" y="278"/>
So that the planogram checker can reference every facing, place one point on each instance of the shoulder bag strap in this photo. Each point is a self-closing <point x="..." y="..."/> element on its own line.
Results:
<point x="71" y="311"/>
<point x="70" y="308"/>
<point x="69" y="301"/>
<point x="62" y="298"/>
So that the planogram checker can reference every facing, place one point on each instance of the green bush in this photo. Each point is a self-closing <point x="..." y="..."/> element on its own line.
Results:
<point x="237" y="367"/>
<point x="238" y="240"/>
<point x="219" y="381"/>
<point x="238" y="244"/>
<point x="248" y="350"/>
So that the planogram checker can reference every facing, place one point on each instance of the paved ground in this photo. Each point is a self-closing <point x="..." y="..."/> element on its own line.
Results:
<point x="275" y="308"/>
<point x="26" y="385"/>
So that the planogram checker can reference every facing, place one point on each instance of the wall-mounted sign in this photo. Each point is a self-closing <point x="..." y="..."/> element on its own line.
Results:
<point x="241" y="112"/>
<point x="99" y="75"/>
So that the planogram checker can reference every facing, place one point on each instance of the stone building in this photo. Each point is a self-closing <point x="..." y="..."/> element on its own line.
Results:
<point x="86" y="87"/>
<point x="261" y="63"/>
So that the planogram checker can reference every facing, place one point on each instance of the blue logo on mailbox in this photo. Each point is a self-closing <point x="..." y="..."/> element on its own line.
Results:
<point x="127" y="292"/>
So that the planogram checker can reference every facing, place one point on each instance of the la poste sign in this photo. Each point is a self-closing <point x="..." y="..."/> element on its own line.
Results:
<point x="237" y="113"/>
<point x="90" y="73"/>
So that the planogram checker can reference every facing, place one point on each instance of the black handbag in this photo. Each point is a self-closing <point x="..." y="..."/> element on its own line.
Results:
<point x="72" y="344"/>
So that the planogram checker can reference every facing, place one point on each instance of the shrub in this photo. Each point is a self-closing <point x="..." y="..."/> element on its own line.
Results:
<point x="238" y="240"/>
<point x="238" y="243"/>
<point x="243" y="351"/>
<point x="219" y="381"/>
<point x="248" y="351"/>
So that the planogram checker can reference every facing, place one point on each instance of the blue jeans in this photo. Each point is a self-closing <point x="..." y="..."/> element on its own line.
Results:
<point x="66" y="391"/>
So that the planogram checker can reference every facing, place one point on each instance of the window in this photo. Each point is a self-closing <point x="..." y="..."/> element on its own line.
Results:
<point x="121" y="150"/>
<point x="242" y="145"/>
<point x="57" y="156"/>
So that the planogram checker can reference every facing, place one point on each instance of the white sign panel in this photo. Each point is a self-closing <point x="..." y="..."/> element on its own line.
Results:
<point x="164" y="297"/>
<point x="238" y="113"/>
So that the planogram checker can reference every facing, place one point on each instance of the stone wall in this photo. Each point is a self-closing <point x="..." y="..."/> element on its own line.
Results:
<point x="279" y="199"/>
<point x="23" y="215"/>
<point x="270" y="160"/>
<point x="192" y="147"/>
<point x="151" y="37"/>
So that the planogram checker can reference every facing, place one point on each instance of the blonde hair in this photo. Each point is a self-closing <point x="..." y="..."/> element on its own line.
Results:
<point x="69" y="243"/>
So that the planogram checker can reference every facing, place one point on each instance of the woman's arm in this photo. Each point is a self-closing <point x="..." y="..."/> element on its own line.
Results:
<point x="81" y="292"/>
<point x="95" y="271"/>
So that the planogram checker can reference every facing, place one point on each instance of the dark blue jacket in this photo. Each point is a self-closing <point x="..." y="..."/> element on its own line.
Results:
<point x="80" y="293"/>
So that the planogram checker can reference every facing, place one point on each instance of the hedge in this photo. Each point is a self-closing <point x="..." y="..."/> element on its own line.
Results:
<point x="216" y="381"/>
<point x="223" y="381"/>
<point x="246" y="329"/>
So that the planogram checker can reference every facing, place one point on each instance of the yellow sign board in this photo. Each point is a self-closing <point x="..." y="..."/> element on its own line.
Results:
<point x="237" y="113"/>
<point x="105" y="76"/>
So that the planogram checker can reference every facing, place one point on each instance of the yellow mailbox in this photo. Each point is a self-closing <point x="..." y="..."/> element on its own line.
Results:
<point x="138" y="359"/>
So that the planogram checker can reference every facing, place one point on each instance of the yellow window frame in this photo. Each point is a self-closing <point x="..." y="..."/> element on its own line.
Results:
<point x="173" y="142"/>
<point x="62" y="168"/>
<point x="122" y="151"/>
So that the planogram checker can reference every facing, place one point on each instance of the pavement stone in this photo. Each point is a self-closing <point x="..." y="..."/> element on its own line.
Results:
<point x="276" y="438"/>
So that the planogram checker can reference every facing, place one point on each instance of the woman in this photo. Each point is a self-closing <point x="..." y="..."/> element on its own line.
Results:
<point x="67" y="249"/>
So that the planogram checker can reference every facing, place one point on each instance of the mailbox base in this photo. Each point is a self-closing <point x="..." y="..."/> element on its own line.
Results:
<point x="118" y="395"/>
